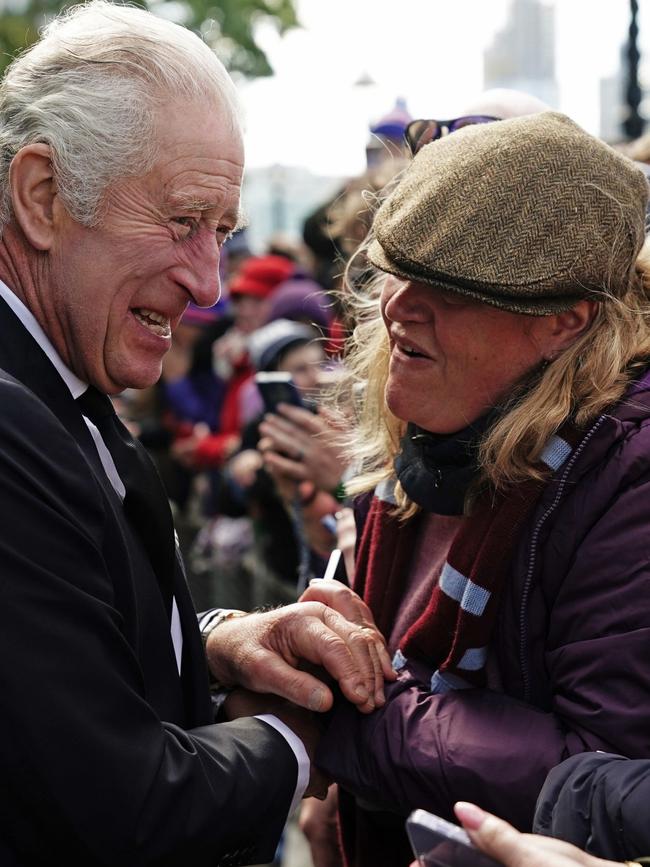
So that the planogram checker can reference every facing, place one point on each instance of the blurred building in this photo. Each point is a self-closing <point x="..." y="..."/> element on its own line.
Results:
<point x="522" y="54"/>
<point x="277" y="199"/>
<point x="612" y="109"/>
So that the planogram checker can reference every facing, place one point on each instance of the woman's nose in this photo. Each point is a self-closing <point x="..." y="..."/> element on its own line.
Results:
<point x="406" y="301"/>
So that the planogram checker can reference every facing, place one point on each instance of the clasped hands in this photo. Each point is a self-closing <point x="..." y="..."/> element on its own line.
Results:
<point x="290" y="653"/>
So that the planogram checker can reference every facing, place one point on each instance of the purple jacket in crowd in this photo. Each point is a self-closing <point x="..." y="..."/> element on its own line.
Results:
<point x="572" y="643"/>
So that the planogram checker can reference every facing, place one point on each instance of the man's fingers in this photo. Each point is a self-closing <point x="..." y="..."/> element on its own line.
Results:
<point x="323" y="637"/>
<point x="273" y="674"/>
<point x="337" y="596"/>
<point x="366" y="672"/>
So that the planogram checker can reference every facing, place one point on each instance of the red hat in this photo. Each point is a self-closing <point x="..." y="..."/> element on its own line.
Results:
<point x="260" y="275"/>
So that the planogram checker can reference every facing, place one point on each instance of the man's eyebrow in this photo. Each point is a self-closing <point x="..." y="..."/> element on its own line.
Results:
<point x="235" y="217"/>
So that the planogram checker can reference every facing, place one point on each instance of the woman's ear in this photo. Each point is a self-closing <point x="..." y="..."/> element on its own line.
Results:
<point x="31" y="180"/>
<point x="566" y="327"/>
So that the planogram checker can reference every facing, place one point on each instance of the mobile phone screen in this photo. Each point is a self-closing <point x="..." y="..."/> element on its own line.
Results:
<point x="277" y="388"/>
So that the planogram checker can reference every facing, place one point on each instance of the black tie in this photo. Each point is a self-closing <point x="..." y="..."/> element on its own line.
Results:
<point x="145" y="504"/>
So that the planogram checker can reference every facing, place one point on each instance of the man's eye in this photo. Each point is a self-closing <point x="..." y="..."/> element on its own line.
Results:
<point x="223" y="234"/>
<point x="188" y="225"/>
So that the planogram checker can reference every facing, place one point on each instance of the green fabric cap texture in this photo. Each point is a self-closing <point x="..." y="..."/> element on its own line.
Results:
<point x="529" y="215"/>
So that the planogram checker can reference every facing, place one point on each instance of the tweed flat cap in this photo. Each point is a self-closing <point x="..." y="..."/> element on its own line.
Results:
<point x="529" y="214"/>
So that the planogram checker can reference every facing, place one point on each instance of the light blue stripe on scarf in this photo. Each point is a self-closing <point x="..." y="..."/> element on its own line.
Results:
<point x="469" y="596"/>
<point x="555" y="453"/>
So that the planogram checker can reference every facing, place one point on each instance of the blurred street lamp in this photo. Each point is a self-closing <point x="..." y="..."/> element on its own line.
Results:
<point x="634" y="123"/>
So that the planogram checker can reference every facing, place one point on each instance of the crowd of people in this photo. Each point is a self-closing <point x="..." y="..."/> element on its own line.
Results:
<point x="403" y="467"/>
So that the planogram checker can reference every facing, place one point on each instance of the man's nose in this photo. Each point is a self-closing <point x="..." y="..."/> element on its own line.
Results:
<point x="207" y="286"/>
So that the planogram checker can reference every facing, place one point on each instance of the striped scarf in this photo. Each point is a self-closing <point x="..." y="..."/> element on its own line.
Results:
<point x="453" y="632"/>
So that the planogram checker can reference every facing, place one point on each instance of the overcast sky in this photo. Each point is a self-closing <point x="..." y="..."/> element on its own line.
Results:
<point x="310" y="112"/>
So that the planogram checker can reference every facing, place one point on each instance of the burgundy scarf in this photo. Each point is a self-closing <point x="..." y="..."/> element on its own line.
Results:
<point x="453" y="632"/>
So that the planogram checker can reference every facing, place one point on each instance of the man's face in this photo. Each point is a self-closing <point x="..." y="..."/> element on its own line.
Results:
<point x="114" y="294"/>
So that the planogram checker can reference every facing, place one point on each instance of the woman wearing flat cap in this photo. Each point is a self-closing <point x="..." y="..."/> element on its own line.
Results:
<point x="505" y="448"/>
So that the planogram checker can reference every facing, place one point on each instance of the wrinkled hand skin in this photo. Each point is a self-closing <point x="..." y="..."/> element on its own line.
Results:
<point x="507" y="846"/>
<point x="262" y="652"/>
<point x="243" y="703"/>
<point x="350" y="605"/>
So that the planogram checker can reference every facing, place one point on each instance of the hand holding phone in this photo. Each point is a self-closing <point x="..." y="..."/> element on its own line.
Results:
<point x="277" y="387"/>
<point x="438" y="843"/>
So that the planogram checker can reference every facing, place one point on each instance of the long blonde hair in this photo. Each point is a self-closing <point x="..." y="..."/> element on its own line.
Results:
<point x="581" y="383"/>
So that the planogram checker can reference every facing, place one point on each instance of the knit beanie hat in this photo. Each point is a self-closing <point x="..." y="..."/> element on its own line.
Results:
<point x="302" y="299"/>
<point x="260" y="275"/>
<point x="529" y="215"/>
<point x="267" y="344"/>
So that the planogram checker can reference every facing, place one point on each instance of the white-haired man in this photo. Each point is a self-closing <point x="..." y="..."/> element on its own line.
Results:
<point x="120" y="169"/>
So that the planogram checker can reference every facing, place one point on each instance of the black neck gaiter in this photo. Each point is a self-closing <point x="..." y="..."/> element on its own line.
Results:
<point x="436" y="470"/>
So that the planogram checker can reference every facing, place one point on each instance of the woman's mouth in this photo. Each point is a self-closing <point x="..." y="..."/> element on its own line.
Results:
<point x="411" y="352"/>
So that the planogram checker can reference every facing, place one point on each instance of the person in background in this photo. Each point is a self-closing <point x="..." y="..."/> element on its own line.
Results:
<point x="250" y="293"/>
<point x="271" y="566"/>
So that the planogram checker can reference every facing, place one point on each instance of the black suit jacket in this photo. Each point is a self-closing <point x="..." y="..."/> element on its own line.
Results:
<point x="107" y="756"/>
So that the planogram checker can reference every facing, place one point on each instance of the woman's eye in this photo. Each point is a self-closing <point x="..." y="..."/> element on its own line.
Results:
<point x="453" y="300"/>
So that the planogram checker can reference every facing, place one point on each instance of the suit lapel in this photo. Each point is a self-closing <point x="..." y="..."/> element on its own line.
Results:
<point x="23" y="358"/>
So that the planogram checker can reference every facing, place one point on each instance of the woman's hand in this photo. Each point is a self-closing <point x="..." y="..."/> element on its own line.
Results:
<point x="507" y="846"/>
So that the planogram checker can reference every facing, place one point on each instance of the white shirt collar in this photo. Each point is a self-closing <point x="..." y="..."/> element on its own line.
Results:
<point x="77" y="386"/>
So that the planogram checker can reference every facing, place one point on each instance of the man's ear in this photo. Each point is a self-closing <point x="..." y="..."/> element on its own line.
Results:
<point x="33" y="189"/>
<point x="568" y="326"/>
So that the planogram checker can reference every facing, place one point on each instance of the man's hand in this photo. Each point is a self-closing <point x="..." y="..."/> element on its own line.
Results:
<point x="507" y="846"/>
<point x="242" y="703"/>
<point x="262" y="652"/>
<point x="350" y="605"/>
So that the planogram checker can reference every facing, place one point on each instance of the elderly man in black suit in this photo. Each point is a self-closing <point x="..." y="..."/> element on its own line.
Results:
<point x="120" y="169"/>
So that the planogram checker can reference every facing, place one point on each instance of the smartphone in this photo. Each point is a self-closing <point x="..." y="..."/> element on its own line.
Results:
<point x="438" y="843"/>
<point x="275" y="388"/>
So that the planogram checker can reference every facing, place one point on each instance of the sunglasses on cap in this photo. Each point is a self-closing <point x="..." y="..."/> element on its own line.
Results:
<point x="421" y="132"/>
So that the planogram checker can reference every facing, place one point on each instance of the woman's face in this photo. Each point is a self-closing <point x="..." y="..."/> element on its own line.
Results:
<point x="452" y="358"/>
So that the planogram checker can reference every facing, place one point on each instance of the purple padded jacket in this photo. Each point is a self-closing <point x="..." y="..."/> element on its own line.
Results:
<point x="572" y="642"/>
